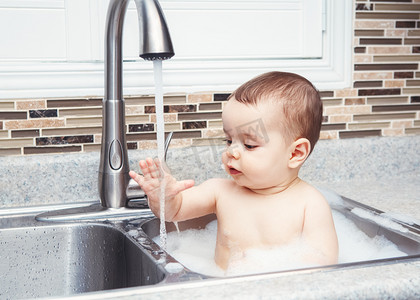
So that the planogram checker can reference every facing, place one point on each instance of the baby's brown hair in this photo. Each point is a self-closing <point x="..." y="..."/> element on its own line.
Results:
<point x="298" y="99"/>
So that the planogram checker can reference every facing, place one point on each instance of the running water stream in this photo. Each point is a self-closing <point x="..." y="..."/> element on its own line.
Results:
<point x="160" y="135"/>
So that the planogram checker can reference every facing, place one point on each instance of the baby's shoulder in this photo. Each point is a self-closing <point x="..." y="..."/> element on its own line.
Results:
<point x="315" y="201"/>
<point x="218" y="187"/>
<point x="220" y="183"/>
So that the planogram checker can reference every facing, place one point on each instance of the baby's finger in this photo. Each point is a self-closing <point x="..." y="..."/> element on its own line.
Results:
<point x="153" y="168"/>
<point x="159" y="166"/>
<point x="136" y="177"/>
<point x="163" y="167"/>
<point x="145" y="169"/>
<point x="157" y="162"/>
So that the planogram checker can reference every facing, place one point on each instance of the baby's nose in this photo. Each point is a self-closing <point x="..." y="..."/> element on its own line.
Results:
<point x="234" y="152"/>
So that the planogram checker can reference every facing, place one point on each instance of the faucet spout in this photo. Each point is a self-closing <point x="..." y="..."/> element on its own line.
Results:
<point x="155" y="40"/>
<point x="155" y="43"/>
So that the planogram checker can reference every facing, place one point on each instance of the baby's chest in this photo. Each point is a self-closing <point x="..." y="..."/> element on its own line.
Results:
<point x="260" y="227"/>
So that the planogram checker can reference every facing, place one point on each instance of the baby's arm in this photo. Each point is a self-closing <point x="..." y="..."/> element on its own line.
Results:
<point x="183" y="200"/>
<point x="319" y="231"/>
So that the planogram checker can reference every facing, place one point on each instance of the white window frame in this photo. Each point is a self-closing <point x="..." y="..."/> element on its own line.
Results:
<point x="34" y="79"/>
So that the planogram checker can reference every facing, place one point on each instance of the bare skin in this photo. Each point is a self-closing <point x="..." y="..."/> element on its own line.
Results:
<point x="265" y="204"/>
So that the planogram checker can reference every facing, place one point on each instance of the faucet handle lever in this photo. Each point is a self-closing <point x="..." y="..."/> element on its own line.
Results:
<point x="167" y="142"/>
<point x="134" y="191"/>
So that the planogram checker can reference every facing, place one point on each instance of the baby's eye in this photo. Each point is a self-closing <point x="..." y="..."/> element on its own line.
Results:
<point x="250" y="147"/>
<point x="228" y="142"/>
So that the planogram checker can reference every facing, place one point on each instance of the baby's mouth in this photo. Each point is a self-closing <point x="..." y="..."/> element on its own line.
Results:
<point x="233" y="171"/>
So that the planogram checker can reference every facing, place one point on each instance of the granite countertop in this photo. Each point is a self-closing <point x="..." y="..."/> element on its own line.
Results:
<point x="380" y="172"/>
<point x="398" y="196"/>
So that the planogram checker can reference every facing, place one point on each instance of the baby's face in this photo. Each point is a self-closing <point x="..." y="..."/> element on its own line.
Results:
<point x="257" y="154"/>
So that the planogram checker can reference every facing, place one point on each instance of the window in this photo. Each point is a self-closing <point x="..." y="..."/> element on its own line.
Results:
<point x="55" y="47"/>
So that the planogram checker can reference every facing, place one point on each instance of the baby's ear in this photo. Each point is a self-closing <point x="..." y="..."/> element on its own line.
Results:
<point x="299" y="151"/>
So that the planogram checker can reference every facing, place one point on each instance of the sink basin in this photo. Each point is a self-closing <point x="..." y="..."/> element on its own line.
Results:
<point x="64" y="259"/>
<point x="41" y="259"/>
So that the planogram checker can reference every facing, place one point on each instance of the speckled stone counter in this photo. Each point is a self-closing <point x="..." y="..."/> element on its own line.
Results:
<point x="70" y="178"/>
<point x="381" y="172"/>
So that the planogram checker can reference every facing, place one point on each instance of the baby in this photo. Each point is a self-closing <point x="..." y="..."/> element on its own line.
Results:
<point x="271" y="124"/>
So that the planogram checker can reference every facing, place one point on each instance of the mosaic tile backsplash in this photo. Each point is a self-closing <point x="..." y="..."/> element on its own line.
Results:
<point x="384" y="99"/>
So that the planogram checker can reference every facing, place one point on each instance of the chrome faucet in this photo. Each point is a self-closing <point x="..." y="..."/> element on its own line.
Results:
<point x="114" y="184"/>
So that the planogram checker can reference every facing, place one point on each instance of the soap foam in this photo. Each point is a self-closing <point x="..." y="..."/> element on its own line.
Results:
<point x="195" y="250"/>
<point x="355" y="245"/>
<point x="270" y="260"/>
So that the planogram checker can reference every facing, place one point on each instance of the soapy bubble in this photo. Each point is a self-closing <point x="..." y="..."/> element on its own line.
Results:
<point x="194" y="248"/>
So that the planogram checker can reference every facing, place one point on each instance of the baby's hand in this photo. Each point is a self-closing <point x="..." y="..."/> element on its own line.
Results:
<point x="153" y="179"/>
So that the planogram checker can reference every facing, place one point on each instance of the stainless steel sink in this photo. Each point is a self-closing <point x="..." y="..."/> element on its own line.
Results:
<point x="39" y="259"/>
<point x="43" y="259"/>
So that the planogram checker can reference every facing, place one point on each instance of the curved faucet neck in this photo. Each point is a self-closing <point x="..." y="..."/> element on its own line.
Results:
<point x="113" y="49"/>
<point x="154" y="38"/>
<point x="155" y="43"/>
